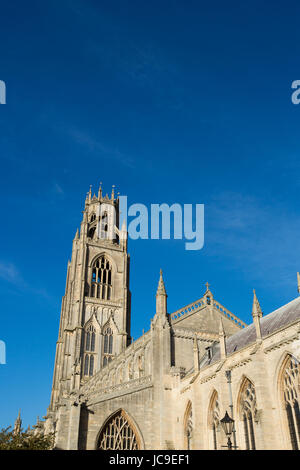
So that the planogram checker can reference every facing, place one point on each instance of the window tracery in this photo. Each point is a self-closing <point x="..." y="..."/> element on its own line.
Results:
<point x="101" y="283"/>
<point x="107" y="345"/>
<point x="89" y="350"/>
<point x="214" y="419"/>
<point x="248" y="411"/>
<point x="189" y="428"/>
<point x="290" y="385"/>
<point x="118" y="434"/>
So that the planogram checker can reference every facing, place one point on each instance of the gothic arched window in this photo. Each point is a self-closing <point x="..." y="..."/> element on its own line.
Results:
<point x="119" y="434"/>
<point x="104" y="225"/>
<point x="214" y="418"/>
<point x="141" y="365"/>
<point x="91" y="232"/>
<point x="290" y="390"/>
<point x="248" y="411"/>
<point x="188" y="426"/>
<point x="107" y="345"/>
<point x="89" y="350"/>
<point x="92" y="227"/>
<point x="90" y="338"/>
<point x="88" y="364"/>
<point x="101" y="285"/>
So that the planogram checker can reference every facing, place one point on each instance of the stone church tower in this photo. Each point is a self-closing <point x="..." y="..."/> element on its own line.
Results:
<point x="95" y="312"/>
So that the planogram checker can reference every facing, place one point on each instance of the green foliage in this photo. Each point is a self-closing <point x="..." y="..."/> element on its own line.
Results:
<point x="24" y="440"/>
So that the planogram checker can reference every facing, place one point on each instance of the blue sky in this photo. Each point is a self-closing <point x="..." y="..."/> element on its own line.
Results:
<point x="174" y="101"/>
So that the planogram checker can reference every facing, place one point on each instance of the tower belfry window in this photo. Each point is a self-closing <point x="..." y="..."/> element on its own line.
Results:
<point x="91" y="232"/>
<point x="101" y="285"/>
<point x="92" y="226"/>
<point x="104" y="225"/>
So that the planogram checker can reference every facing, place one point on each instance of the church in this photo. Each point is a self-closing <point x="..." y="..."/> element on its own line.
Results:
<point x="170" y="388"/>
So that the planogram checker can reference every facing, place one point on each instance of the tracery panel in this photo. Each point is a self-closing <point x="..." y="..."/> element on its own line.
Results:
<point x="101" y="283"/>
<point x="118" y="434"/>
<point x="290" y="387"/>
<point x="248" y="411"/>
<point x="214" y="418"/>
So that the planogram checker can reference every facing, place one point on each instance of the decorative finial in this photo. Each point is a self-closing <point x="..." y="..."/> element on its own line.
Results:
<point x="298" y="279"/>
<point x="256" y="310"/>
<point x="208" y="296"/>
<point x="161" y="298"/>
<point x="113" y="192"/>
<point x="100" y="191"/>
<point x="18" y="424"/>
<point x="161" y="290"/>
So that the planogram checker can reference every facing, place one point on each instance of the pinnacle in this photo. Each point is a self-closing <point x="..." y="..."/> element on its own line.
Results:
<point x="221" y="328"/>
<point x="161" y="290"/>
<point x="256" y="309"/>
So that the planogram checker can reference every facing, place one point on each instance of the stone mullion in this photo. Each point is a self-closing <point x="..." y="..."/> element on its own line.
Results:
<point x="296" y="427"/>
<point x="246" y="431"/>
<point x="251" y="427"/>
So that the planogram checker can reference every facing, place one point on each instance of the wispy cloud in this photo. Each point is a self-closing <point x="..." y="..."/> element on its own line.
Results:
<point x="11" y="274"/>
<point x="97" y="148"/>
<point x="260" y="239"/>
<point x="144" y="62"/>
<point x="57" y="189"/>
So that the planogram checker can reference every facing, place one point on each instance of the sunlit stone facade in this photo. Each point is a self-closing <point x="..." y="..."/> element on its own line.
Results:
<point x="170" y="388"/>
